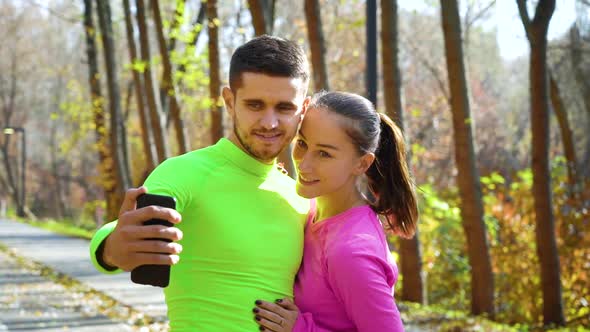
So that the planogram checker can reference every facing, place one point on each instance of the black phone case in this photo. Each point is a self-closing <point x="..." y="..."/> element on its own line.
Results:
<point x="155" y="275"/>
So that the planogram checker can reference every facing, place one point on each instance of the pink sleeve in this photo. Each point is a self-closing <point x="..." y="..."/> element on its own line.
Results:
<point x="362" y="281"/>
<point x="305" y="323"/>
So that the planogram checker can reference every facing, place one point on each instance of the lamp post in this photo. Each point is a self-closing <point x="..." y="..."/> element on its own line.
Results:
<point x="10" y="131"/>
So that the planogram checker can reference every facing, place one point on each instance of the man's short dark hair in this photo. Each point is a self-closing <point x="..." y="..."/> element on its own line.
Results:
<point x="268" y="55"/>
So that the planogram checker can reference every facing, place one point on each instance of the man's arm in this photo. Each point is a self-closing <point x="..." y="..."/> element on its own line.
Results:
<point x="127" y="243"/>
<point x="97" y="248"/>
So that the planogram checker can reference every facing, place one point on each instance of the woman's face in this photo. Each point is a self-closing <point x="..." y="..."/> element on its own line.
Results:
<point x="327" y="161"/>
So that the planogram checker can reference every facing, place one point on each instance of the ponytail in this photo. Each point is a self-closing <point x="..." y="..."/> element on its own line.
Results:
<point x="390" y="181"/>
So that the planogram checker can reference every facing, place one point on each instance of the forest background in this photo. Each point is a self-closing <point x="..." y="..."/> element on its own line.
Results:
<point x="94" y="94"/>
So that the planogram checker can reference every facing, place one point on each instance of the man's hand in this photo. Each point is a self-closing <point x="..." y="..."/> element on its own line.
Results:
<point x="128" y="246"/>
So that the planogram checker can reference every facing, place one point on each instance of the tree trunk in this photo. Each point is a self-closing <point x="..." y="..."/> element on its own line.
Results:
<point x="121" y="166"/>
<point x="566" y="132"/>
<point x="11" y="176"/>
<point x="215" y="81"/>
<point x="167" y="84"/>
<point x="107" y="177"/>
<point x="146" y="130"/>
<point x="262" y="12"/>
<point x="176" y="23"/>
<point x="583" y="84"/>
<point x="482" y="280"/>
<point x="536" y="31"/>
<point x="317" y="45"/>
<point x="60" y="208"/>
<point x="576" y="56"/>
<point x="410" y="255"/>
<point x="160" y="138"/>
<point x="193" y="42"/>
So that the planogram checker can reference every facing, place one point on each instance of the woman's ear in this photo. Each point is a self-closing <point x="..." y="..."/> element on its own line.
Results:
<point x="364" y="163"/>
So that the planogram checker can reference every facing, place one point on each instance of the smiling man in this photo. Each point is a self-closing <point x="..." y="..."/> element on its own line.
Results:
<point x="238" y="232"/>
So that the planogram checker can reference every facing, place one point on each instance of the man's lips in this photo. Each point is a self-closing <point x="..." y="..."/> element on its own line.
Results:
<point x="270" y="137"/>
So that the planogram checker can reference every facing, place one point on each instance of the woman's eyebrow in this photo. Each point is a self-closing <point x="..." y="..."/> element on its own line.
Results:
<point x="321" y="145"/>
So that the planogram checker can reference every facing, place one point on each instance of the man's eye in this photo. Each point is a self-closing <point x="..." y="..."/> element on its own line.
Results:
<point x="286" y="109"/>
<point x="254" y="106"/>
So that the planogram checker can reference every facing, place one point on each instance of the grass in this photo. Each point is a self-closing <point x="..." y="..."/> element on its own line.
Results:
<point x="63" y="228"/>
<point x="82" y="228"/>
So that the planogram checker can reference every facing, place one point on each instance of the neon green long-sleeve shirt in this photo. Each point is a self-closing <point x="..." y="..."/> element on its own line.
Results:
<point x="243" y="237"/>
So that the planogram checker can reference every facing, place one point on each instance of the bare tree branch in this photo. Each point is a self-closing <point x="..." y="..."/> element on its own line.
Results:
<point x="524" y="16"/>
<point x="469" y="21"/>
<point x="431" y="68"/>
<point x="54" y="13"/>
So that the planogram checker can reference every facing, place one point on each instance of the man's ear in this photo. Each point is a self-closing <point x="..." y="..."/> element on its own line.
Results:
<point x="304" y="108"/>
<point x="229" y="99"/>
<point x="305" y="105"/>
<point x="364" y="163"/>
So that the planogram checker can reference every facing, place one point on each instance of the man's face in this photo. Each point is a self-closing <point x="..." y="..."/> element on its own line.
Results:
<point x="266" y="112"/>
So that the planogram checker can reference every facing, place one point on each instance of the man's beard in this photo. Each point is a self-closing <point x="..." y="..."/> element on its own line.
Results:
<point x="250" y="149"/>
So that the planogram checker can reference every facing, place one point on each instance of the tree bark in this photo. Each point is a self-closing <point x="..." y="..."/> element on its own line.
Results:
<point x="317" y="45"/>
<point x="11" y="176"/>
<point x="198" y="23"/>
<point x="144" y="121"/>
<point x="121" y="166"/>
<point x="583" y="84"/>
<point x="160" y="138"/>
<point x="482" y="280"/>
<point x="566" y="132"/>
<point x="262" y="12"/>
<point x="176" y="23"/>
<point x="536" y="31"/>
<point x="7" y="112"/>
<point x="107" y="177"/>
<point x="576" y="56"/>
<point x="60" y="207"/>
<point x="409" y="249"/>
<point x="214" y="81"/>
<point x="167" y="84"/>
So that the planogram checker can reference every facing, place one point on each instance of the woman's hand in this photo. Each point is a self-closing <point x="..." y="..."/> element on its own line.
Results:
<point x="276" y="317"/>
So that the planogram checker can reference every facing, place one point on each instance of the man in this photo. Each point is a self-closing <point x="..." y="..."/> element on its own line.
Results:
<point x="241" y="234"/>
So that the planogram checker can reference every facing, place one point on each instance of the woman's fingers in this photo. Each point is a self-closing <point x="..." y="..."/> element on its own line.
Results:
<point x="268" y="325"/>
<point x="287" y="304"/>
<point x="270" y="311"/>
<point x="270" y="316"/>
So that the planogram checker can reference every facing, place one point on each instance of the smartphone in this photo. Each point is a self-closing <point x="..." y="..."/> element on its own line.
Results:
<point x="155" y="275"/>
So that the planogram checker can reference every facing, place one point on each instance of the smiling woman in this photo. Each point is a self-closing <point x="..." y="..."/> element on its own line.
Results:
<point x="346" y="278"/>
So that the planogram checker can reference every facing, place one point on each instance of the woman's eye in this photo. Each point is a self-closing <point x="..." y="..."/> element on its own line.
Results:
<point x="301" y="143"/>
<point x="324" y="154"/>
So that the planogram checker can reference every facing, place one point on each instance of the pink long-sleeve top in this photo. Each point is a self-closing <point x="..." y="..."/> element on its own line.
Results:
<point x="346" y="279"/>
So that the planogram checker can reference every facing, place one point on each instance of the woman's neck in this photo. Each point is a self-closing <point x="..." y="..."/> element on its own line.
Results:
<point x="334" y="204"/>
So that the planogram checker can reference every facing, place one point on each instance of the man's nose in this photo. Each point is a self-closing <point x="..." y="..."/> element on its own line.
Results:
<point x="270" y="120"/>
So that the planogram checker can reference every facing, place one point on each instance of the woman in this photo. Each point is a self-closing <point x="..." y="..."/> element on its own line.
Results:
<point x="347" y="276"/>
